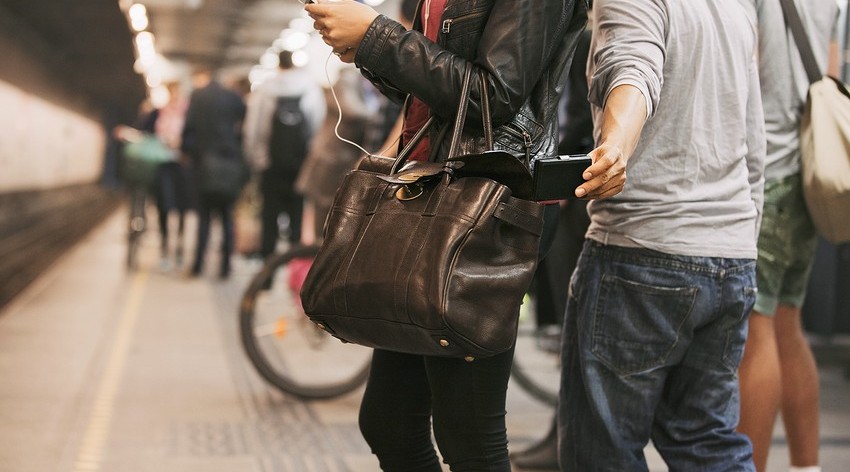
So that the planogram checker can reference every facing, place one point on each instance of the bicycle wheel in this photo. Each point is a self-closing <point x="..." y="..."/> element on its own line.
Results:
<point x="287" y="349"/>
<point x="536" y="367"/>
<point x="135" y="227"/>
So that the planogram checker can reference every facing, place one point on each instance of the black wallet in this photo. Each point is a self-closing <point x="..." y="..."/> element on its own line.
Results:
<point x="556" y="178"/>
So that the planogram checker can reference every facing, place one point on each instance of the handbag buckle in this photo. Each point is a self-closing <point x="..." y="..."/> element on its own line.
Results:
<point x="410" y="191"/>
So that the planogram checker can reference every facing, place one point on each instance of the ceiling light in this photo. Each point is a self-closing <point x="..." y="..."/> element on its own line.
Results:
<point x="293" y="40"/>
<point x="259" y="74"/>
<point x="145" y="45"/>
<point x="138" y="17"/>
<point x="159" y="96"/>
<point x="300" y="58"/>
<point x="373" y="3"/>
<point x="305" y="25"/>
<point x="153" y="79"/>
<point x="269" y="60"/>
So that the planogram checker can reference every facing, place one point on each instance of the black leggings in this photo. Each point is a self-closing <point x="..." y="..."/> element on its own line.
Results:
<point x="466" y="400"/>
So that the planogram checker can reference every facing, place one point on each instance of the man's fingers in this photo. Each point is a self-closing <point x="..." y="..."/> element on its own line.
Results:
<point x="600" y="164"/>
<point x="590" y="187"/>
<point x="596" y="174"/>
<point x="610" y="188"/>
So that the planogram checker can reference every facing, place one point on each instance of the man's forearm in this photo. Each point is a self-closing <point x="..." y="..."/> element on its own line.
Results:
<point x="834" y="60"/>
<point x="622" y="121"/>
<point x="623" y="118"/>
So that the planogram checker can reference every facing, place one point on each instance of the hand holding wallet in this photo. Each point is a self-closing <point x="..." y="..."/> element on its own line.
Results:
<point x="556" y="178"/>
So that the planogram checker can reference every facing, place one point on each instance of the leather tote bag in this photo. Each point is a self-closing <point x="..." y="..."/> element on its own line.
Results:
<point x="824" y="142"/>
<point x="423" y="258"/>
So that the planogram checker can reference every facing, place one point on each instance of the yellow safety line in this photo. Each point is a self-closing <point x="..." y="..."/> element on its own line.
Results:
<point x="90" y="455"/>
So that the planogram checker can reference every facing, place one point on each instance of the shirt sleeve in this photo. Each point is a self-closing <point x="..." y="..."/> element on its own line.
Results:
<point x="756" y="142"/>
<point x="840" y="18"/>
<point x="628" y="49"/>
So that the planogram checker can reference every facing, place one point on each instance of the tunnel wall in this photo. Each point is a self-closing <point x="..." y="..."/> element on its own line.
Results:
<point x="52" y="148"/>
<point x="43" y="145"/>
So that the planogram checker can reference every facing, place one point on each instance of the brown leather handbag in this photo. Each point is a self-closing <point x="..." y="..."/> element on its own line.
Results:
<point x="427" y="258"/>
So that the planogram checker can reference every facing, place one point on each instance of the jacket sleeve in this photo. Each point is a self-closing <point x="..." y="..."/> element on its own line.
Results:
<point x="516" y="45"/>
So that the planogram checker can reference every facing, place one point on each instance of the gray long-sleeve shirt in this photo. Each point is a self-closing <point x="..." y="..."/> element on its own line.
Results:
<point x="783" y="78"/>
<point x="695" y="181"/>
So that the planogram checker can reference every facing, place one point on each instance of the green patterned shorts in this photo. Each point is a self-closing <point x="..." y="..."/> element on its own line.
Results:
<point x="786" y="246"/>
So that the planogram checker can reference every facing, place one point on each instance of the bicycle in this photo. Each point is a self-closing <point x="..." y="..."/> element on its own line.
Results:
<point x="288" y="350"/>
<point x="142" y="154"/>
<point x="136" y="225"/>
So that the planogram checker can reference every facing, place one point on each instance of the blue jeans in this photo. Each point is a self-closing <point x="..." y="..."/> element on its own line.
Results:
<point x="651" y="349"/>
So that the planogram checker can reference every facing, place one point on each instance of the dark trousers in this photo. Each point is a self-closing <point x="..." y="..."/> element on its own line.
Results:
<point x="171" y="194"/>
<point x="466" y="400"/>
<point x="279" y="196"/>
<point x="553" y="274"/>
<point x="206" y="208"/>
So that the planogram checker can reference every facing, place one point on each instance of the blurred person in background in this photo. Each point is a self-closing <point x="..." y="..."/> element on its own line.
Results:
<point x="284" y="113"/>
<point x="213" y="127"/>
<point x="172" y="189"/>
<point x="778" y="372"/>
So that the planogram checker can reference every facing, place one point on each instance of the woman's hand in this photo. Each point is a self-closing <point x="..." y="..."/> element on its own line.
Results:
<point x="342" y="24"/>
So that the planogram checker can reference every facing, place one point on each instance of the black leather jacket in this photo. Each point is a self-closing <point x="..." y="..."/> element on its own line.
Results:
<point x="525" y="48"/>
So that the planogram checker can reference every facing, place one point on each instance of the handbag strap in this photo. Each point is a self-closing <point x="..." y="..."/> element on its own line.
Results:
<point x="460" y="119"/>
<point x="804" y="46"/>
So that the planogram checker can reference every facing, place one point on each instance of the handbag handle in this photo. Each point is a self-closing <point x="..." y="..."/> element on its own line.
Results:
<point x="804" y="46"/>
<point x="460" y="118"/>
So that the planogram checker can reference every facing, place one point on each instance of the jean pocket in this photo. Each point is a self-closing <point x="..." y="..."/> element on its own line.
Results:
<point x="636" y="325"/>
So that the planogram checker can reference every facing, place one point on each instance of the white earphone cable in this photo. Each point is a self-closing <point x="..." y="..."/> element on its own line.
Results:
<point x="339" y="117"/>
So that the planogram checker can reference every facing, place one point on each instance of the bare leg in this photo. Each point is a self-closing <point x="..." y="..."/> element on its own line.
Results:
<point x="800" y="388"/>
<point x="308" y="227"/>
<point x="761" y="387"/>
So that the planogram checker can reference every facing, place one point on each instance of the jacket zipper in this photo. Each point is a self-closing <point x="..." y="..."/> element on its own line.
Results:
<point x="526" y="140"/>
<point x="447" y="23"/>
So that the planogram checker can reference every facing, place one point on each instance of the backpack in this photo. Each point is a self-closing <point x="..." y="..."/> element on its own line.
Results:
<point x="288" y="145"/>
